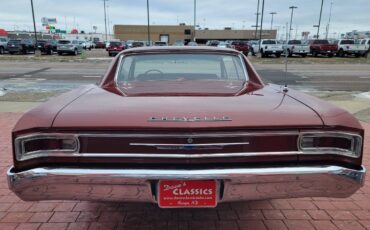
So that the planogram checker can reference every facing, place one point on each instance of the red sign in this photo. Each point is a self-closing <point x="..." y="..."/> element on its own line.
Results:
<point x="187" y="193"/>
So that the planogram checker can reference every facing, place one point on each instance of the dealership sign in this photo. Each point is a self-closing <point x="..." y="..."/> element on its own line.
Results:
<point x="48" y="21"/>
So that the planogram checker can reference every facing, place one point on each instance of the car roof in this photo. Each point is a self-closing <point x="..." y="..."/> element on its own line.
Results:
<point x="179" y="49"/>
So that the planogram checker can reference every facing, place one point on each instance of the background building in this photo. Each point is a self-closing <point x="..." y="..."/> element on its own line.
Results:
<point x="172" y="33"/>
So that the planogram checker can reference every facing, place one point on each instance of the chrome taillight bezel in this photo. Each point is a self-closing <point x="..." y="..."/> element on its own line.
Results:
<point x="354" y="152"/>
<point x="22" y="155"/>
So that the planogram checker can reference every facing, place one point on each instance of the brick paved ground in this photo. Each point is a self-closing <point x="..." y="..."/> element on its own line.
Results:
<point x="305" y="213"/>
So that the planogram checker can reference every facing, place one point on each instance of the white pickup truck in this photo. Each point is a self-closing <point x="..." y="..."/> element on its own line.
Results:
<point x="270" y="46"/>
<point x="349" y="47"/>
<point x="296" y="47"/>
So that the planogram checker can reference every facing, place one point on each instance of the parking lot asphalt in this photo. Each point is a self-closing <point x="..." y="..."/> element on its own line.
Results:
<point x="303" y="213"/>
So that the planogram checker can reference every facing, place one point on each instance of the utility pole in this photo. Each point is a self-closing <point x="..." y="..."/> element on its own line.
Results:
<point x="258" y="9"/>
<point x="195" y="18"/>
<point x="105" y="20"/>
<point x="272" y="18"/>
<point x="263" y="9"/>
<point x="291" y="19"/>
<point x="327" y="27"/>
<point x="148" y="26"/>
<point x="318" y="26"/>
<point x="34" y="23"/>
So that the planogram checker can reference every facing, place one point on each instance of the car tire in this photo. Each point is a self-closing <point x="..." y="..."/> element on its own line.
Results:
<point x="314" y="53"/>
<point x="330" y="55"/>
<point x="246" y="54"/>
<point x="11" y="53"/>
<point x="1" y="50"/>
<point x="303" y="55"/>
<point x="278" y="55"/>
<point x="340" y="53"/>
<point x="357" y="55"/>
<point x="75" y="52"/>
<point x="290" y="54"/>
<point x="49" y="52"/>
<point x="60" y="53"/>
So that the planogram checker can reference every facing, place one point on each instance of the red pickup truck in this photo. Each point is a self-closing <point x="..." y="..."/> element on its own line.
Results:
<point x="241" y="46"/>
<point x="323" y="47"/>
<point x="114" y="48"/>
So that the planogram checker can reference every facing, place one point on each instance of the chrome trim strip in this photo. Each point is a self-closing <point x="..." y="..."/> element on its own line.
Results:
<point x="185" y="156"/>
<point x="194" y="134"/>
<point x="188" y="145"/>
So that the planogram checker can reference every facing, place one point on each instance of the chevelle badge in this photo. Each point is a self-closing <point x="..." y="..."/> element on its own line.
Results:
<point x="189" y="119"/>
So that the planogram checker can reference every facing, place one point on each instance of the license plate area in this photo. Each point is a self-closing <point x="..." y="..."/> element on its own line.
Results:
<point x="187" y="193"/>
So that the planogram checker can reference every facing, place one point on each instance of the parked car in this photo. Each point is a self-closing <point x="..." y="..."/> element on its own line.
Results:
<point x="87" y="45"/>
<point x="192" y="44"/>
<point x="114" y="48"/>
<point x="22" y="46"/>
<point x="253" y="45"/>
<point x="323" y="47"/>
<point x="178" y="43"/>
<point x="349" y="47"/>
<point x="3" y="45"/>
<point x="138" y="44"/>
<point x="69" y="47"/>
<point x="100" y="45"/>
<point x="241" y="46"/>
<point x="47" y="46"/>
<point x="366" y="43"/>
<point x="270" y="46"/>
<point x="185" y="127"/>
<point x="296" y="47"/>
<point x="212" y="43"/>
<point x="129" y="43"/>
<point x="224" y="45"/>
<point x="160" y="43"/>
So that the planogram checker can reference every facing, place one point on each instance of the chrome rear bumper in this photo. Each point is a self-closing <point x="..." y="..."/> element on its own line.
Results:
<point x="138" y="185"/>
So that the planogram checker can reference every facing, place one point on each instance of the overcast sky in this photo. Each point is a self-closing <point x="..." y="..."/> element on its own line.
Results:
<point x="214" y="14"/>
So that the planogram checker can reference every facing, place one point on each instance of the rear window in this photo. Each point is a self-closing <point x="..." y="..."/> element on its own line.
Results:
<point x="269" y="42"/>
<point x="347" y="42"/>
<point x="14" y="41"/>
<point x="115" y="43"/>
<point x="294" y="42"/>
<point x="322" y="42"/>
<point x="174" y="72"/>
<point x="64" y="42"/>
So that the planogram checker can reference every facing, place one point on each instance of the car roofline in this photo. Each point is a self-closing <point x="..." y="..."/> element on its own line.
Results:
<point x="182" y="49"/>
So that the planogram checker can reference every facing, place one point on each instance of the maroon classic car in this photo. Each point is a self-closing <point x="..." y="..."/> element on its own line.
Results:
<point x="185" y="127"/>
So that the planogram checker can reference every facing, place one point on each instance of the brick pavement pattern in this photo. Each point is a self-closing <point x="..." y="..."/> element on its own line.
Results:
<point x="303" y="213"/>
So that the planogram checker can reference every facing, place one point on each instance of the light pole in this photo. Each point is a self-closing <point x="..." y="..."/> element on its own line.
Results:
<point x="291" y="19"/>
<point x="327" y="27"/>
<point x="148" y="25"/>
<point x="263" y="9"/>
<point x="34" y="23"/>
<point x="195" y="18"/>
<point x="318" y="26"/>
<point x="258" y="9"/>
<point x="105" y="20"/>
<point x="272" y="18"/>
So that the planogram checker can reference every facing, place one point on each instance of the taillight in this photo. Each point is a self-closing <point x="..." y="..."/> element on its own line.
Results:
<point x="42" y="145"/>
<point x="346" y="144"/>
